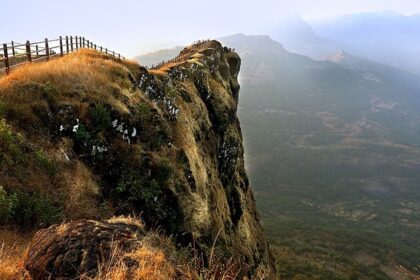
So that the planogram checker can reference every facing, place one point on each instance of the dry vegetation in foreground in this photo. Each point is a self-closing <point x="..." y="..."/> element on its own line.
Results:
<point x="13" y="248"/>
<point x="156" y="256"/>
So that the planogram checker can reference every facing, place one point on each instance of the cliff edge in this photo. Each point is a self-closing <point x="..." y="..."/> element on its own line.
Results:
<point x="91" y="138"/>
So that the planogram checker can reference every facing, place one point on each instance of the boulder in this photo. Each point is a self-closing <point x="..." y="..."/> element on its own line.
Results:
<point x="78" y="248"/>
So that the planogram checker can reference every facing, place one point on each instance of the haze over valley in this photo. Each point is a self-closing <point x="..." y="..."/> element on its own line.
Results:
<point x="210" y="140"/>
<point x="332" y="141"/>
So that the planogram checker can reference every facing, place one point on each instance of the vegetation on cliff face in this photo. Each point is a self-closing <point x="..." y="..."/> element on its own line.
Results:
<point x="87" y="137"/>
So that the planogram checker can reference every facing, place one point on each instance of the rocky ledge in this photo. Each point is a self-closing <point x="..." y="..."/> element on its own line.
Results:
<point x="173" y="154"/>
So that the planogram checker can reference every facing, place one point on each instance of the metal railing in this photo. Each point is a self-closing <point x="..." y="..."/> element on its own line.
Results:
<point x="15" y="54"/>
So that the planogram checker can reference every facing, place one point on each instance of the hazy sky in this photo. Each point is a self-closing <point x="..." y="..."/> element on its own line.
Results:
<point x="132" y="27"/>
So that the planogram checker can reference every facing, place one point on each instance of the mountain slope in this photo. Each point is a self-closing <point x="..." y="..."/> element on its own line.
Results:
<point x="332" y="148"/>
<point x="86" y="137"/>
<point x="297" y="36"/>
<point x="385" y="37"/>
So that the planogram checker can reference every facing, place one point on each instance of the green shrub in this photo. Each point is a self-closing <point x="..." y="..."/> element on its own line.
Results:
<point x="7" y="203"/>
<point x="100" y="117"/>
<point x="10" y="145"/>
<point x="143" y="192"/>
<point x="45" y="163"/>
<point x="3" y="110"/>
<point x="137" y="188"/>
<point x="143" y="112"/>
<point x="164" y="171"/>
<point x="50" y="93"/>
<point x="82" y="138"/>
<point x="32" y="210"/>
<point x="27" y="210"/>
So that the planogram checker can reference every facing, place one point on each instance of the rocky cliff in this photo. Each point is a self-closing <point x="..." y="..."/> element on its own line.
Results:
<point x="98" y="138"/>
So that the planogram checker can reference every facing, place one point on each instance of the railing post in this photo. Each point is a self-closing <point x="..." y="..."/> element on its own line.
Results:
<point x="13" y="48"/>
<point x="95" y="47"/>
<point x="77" y="45"/>
<point x="119" y="56"/>
<point x="106" y="50"/>
<point x="47" y="49"/>
<point x="61" y="46"/>
<point x="28" y="51"/>
<point x="88" y="45"/>
<point x="81" y="42"/>
<point x="37" y="50"/>
<point x="84" y="42"/>
<point x="67" y="44"/>
<point x="71" y="43"/>
<point x="113" y="54"/>
<point x="101" y="48"/>
<point x="6" y="57"/>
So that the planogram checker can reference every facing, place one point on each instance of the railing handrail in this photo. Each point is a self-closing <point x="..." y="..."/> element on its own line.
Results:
<point x="14" y="54"/>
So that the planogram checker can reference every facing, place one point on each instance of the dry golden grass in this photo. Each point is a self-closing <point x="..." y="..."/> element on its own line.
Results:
<point x="160" y="264"/>
<point x="81" y="191"/>
<point x="133" y="66"/>
<point x="156" y="259"/>
<point x="13" y="248"/>
<point x="85" y="74"/>
<point x="152" y="265"/>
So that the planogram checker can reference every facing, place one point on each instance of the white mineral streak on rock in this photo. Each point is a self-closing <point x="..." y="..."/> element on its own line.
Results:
<point x="76" y="127"/>
<point x="99" y="149"/>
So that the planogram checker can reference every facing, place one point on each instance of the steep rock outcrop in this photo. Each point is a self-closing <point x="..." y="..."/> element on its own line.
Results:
<point x="162" y="143"/>
<point x="215" y="197"/>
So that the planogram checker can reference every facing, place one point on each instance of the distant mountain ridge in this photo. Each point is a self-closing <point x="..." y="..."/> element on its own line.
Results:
<point x="332" y="149"/>
<point x="153" y="58"/>
<point x="386" y="37"/>
<point x="298" y="36"/>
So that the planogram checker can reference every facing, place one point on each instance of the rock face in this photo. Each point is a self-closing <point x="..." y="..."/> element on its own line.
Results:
<point x="67" y="250"/>
<point x="168" y="146"/>
<point x="214" y="196"/>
